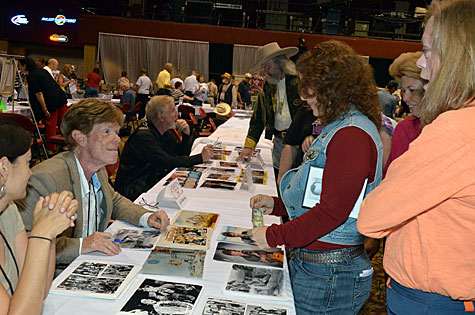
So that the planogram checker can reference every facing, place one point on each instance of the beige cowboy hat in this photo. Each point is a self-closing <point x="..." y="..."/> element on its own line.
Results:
<point x="222" y="109"/>
<point x="271" y="50"/>
<point x="226" y="75"/>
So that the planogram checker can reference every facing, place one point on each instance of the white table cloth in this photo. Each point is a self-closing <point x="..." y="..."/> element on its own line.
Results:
<point x="233" y="207"/>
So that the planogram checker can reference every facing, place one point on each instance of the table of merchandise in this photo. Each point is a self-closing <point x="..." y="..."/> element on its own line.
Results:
<point x="18" y="109"/>
<point x="233" y="209"/>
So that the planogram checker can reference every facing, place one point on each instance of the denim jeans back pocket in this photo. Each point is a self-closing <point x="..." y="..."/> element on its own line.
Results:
<point x="362" y="288"/>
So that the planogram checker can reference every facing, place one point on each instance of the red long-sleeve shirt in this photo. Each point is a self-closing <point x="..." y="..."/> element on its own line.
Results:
<point x="351" y="158"/>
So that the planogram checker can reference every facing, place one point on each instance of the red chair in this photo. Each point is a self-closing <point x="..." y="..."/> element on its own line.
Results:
<point x="25" y="123"/>
<point x="207" y="133"/>
<point x="204" y="119"/>
<point x="125" y="107"/>
<point x="131" y="116"/>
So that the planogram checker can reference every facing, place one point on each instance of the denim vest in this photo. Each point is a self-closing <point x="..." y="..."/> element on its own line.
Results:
<point x="293" y="183"/>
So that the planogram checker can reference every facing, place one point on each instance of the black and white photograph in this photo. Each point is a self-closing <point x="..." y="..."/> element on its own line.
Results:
<point x="97" y="279"/>
<point x="156" y="297"/>
<point x="247" y="280"/>
<point x="136" y="239"/>
<point x="216" y="306"/>
<point x="249" y="254"/>
<point x="264" y="310"/>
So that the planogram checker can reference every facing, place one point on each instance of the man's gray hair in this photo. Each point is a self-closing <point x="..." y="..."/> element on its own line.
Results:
<point x="157" y="106"/>
<point x="287" y="65"/>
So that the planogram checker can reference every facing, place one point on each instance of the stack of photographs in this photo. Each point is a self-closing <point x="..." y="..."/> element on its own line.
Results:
<point x="175" y="262"/>
<point x="219" y="184"/>
<point x="154" y="297"/>
<point x="226" y="174"/>
<point x="190" y="229"/>
<point x="96" y="279"/>
<point x="217" y="306"/>
<point x="263" y="282"/>
<point x="221" y="178"/>
<point x="249" y="254"/>
<point x="187" y="177"/>
<point x="136" y="238"/>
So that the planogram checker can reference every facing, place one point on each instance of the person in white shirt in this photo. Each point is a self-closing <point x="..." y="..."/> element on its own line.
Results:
<point x="143" y="86"/>
<point x="202" y="95"/>
<point x="90" y="129"/>
<point x="191" y="85"/>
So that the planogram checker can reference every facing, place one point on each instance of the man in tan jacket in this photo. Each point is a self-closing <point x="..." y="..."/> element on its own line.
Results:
<point x="90" y="129"/>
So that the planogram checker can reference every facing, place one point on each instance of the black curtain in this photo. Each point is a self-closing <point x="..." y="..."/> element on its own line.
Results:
<point x="381" y="70"/>
<point x="220" y="61"/>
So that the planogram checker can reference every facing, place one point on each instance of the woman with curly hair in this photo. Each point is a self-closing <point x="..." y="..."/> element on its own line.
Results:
<point x="430" y="224"/>
<point x="330" y="270"/>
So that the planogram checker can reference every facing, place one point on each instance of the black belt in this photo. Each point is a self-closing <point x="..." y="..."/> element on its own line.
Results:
<point x="334" y="256"/>
<point x="280" y="133"/>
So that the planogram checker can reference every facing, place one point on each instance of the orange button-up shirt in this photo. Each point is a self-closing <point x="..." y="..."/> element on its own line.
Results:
<point x="426" y="208"/>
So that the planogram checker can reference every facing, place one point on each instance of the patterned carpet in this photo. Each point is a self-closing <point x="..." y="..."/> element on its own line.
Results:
<point x="376" y="304"/>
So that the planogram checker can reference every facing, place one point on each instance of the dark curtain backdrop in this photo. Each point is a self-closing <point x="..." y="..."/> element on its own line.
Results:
<point x="381" y="70"/>
<point x="220" y="61"/>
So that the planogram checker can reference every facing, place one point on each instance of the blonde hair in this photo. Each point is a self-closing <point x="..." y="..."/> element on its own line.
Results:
<point x="453" y="42"/>
<point x="405" y="65"/>
<point x="65" y="69"/>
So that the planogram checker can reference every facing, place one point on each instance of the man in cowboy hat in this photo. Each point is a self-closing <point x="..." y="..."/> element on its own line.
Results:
<point x="277" y="103"/>
<point x="227" y="91"/>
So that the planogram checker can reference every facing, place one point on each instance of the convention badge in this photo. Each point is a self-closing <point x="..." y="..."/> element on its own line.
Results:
<point x="313" y="188"/>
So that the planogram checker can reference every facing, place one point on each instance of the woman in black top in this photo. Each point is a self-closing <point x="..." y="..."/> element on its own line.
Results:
<point x="46" y="97"/>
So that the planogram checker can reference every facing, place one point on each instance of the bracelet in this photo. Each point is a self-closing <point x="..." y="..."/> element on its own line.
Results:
<point x="41" y="238"/>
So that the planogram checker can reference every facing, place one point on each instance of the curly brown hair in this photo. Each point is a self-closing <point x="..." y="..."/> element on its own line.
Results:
<point x="338" y="77"/>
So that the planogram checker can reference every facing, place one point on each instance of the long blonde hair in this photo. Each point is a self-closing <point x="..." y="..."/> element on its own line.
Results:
<point x="453" y="41"/>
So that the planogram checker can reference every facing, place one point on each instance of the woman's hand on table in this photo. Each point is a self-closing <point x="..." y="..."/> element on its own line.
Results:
<point x="159" y="220"/>
<point x="258" y="235"/>
<point x="262" y="201"/>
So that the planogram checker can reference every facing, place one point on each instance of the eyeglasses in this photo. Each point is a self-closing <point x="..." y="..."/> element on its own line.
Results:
<point x="144" y="202"/>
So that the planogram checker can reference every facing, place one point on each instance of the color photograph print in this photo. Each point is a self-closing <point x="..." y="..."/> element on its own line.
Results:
<point x="246" y="280"/>
<point x="228" y="164"/>
<point x="195" y="219"/>
<point x="249" y="254"/>
<point x="219" y="184"/>
<point x="186" y="237"/>
<point x="137" y="239"/>
<point x="175" y="262"/>
<point x="234" y="234"/>
<point x="156" y="297"/>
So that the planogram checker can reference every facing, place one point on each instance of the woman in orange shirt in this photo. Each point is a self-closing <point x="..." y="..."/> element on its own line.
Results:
<point x="430" y="222"/>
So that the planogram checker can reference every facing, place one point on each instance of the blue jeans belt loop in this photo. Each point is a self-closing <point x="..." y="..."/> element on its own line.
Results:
<point x="327" y="256"/>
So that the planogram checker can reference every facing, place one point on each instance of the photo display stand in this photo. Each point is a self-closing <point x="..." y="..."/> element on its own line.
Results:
<point x="247" y="183"/>
<point x="172" y="196"/>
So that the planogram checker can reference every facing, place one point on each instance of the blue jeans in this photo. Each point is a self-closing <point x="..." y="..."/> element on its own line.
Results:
<point x="91" y="92"/>
<point x="405" y="301"/>
<point x="331" y="288"/>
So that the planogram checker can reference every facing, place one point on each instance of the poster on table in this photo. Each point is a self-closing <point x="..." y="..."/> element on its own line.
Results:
<point x="175" y="262"/>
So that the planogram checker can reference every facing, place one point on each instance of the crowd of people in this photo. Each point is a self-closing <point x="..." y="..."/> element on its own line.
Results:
<point x="346" y="176"/>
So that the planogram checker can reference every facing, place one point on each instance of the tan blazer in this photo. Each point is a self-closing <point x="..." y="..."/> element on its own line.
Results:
<point x="61" y="173"/>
